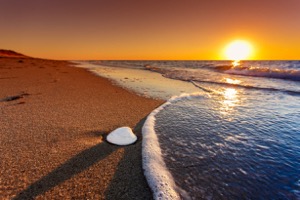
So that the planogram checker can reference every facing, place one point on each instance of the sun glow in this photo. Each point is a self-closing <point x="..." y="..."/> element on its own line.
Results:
<point x="238" y="50"/>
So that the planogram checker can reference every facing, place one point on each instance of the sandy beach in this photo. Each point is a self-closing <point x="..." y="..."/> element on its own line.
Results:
<point x="53" y="123"/>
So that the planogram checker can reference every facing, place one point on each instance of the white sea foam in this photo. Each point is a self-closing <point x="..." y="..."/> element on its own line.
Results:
<point x="159" y="178"/>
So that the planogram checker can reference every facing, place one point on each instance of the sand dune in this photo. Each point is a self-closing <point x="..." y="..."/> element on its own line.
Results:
<point x="11" y="54"/>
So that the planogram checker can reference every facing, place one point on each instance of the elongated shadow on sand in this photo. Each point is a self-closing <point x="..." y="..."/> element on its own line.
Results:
<point x="129" y="181"/>
<point x="75" y="165"/>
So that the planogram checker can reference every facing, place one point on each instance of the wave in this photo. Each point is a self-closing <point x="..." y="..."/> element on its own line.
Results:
<point x="199" y="77"/>
<point x="289" y="74"/>
<point x="158" y="176"/>
<point x="289" y="70"/>
<point x="290" y="92"/>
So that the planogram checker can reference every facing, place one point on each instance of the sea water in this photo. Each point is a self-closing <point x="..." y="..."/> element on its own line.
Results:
<point x="238" y="139"/>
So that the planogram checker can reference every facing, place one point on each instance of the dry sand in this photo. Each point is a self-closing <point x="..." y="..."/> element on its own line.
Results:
<point x="53" y="121"/>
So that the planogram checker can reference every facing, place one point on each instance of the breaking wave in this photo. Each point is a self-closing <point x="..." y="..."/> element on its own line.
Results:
<point x="290" y="74"/>
<point x="196" y="76"/>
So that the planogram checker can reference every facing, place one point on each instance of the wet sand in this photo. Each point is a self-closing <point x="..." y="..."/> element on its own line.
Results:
<point x="53" y="123"/>
<point x="146" y="82"/>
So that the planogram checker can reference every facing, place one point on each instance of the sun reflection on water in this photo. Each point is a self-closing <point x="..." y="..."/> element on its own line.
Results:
<point x="232" y="81"/>
<point x="230" y="93"/>
<point x="229" y="100"/>
<point x="230" y="97"/>
<point x="235" y="63"/>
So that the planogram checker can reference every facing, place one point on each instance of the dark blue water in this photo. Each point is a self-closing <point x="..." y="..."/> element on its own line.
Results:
<point x="243" y="146"/>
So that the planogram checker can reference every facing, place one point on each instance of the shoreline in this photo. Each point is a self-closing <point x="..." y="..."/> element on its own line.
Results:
<point x="53" y="133"/>
<point x="141" y="81"/>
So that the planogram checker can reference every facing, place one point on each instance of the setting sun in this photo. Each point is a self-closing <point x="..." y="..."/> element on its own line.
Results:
<point x="238" y="50"/>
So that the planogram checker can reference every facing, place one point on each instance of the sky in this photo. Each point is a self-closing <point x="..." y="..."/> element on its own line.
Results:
<point x="153" y="29"/>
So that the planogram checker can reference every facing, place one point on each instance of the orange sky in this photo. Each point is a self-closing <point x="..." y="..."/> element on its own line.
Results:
<point x="153" y="29"/>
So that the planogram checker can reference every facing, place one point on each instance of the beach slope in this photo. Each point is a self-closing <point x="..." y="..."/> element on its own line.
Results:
<point x="54" y="119"/>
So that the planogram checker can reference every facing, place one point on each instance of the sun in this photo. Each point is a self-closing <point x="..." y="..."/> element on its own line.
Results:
<point x="238" y="50"/>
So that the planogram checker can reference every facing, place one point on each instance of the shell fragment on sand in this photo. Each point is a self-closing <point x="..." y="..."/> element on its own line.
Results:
<point x="121" y="136"/>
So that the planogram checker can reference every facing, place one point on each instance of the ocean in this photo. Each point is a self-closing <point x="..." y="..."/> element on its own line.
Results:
<point x="233" y="134"/>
